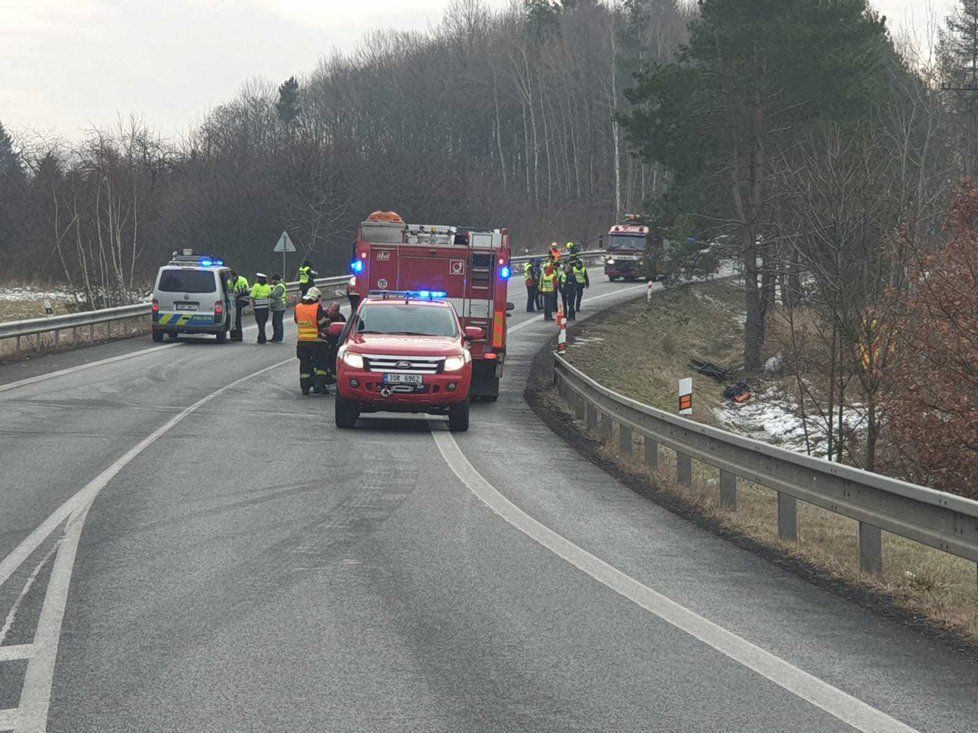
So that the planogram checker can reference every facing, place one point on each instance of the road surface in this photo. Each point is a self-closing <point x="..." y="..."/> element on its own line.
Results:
<point x="189" y="544"/>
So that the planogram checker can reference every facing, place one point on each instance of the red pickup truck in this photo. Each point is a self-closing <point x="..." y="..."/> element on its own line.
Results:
<point x="404" y="352"/>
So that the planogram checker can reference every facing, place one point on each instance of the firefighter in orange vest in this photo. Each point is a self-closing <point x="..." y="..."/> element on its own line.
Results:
<point x="312" y="347"/>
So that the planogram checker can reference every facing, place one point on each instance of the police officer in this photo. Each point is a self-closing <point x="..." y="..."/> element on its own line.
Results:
<point x="240" y="292"/>
<point x="568" y="291"/>
<point x="311" y="347"/>
<point x="261" y="299"/>
<point x="278" y="305"/>
<point x="583" y="281"/>
<point x="530" y="280"/>
<point x="306" y="276"/>
<point x="548" y="287"/>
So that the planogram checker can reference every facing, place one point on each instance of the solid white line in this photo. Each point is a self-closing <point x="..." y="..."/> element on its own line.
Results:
<point x="832" y="700"/>
<point x="13" y="652"/>
<point x="100" y="362"/>
<point x="536" y="319"/>
<point x="36" y="694"/>
<point x="83" y="367"/>
<point x="12" y="613"/>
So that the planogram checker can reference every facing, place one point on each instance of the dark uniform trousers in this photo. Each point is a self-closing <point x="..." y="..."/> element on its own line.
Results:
<point x="313" y="364"/>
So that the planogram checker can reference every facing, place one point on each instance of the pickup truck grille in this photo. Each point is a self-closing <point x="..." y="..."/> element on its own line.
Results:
<point x="405" y="364"/>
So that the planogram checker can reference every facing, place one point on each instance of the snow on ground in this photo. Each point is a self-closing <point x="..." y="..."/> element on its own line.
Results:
<point x="772" y="417"/>
<point x="29" y="294"/>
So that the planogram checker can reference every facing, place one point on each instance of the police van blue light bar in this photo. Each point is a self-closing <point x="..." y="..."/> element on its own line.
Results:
<point x="208" y="262"/>
<point x="356" y="266"/>
<point x="505" y="272"/>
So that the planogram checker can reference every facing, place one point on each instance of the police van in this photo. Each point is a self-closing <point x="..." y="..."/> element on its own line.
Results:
<point x="192" y="295"/>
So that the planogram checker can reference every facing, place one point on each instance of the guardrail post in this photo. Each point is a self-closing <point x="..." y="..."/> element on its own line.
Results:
<point x="787" y="517"/>
<point x="870" y="549"/>
<point x="592" y="417"/>
<point x="728" y="490"/>
<point x="651" y="453"/>
<point x="684" y="469"/>
<point x="625" y="440"/>
<point x="108" y="330"/>
<point x="580" y="406"/>
<point x="606" y="427"/>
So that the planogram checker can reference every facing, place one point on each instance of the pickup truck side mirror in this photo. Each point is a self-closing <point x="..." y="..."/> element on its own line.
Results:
<point x="510" y="307"/>
<point x="473" y="333"/>
<point x="335" y="329"/>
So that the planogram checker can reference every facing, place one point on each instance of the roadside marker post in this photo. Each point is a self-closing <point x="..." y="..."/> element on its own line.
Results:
<point x="562" y="333"/>
<point x="686" y="396"/>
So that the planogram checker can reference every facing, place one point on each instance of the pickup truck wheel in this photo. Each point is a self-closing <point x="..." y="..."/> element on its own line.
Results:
<point x="346" y="412"/>
<point x="458" y="417"/>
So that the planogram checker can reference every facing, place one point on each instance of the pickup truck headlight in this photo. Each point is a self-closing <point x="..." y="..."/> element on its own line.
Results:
<point x="610" y="261"/>
<point x="352" y="360"/>
<point x="455" y="363"/>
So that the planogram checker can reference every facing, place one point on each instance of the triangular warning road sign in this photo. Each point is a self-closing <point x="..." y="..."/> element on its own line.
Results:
<point x="284" y="244"/>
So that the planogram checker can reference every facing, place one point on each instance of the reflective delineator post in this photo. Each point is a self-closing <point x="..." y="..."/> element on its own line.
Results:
<point x="562" y="333"/>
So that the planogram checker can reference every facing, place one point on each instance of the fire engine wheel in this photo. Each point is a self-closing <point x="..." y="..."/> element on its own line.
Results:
<point x="612" y="278"/>
<point x="346" y="412"/>
<point x="458" y="417"/>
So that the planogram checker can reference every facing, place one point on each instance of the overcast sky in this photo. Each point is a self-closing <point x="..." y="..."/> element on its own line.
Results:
<point x="68" y="65"/>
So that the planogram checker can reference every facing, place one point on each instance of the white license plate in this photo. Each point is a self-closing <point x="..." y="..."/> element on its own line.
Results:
<point x="403" y="379"/>
<point x="185" y="306"/>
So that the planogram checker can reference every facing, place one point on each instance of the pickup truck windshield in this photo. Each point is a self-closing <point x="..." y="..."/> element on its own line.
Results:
<point x="409" y="320"/>
<point x="620" y="241"/>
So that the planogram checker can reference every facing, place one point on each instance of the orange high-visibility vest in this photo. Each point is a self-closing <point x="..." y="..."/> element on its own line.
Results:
<point x="307" y="319"/>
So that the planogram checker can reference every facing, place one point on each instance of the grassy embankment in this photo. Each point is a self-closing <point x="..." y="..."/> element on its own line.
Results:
<point x="643" y="350"/>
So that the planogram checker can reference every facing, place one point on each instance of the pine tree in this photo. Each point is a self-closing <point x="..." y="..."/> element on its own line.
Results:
<point x="288" y="104"/>
<point x="10" y="163"/>
<point x="958" y="56"/>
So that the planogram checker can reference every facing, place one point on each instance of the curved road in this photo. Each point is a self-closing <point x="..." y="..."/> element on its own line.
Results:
<point x="188" y="544"/>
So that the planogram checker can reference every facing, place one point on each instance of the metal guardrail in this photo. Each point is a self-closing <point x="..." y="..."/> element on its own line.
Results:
<point x="940" y="520"/>
<point x="54" y="324"/>
<point x="35" y="326"/>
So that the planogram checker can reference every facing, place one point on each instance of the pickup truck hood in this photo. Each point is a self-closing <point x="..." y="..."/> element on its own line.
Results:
<point x="375" y="343"/>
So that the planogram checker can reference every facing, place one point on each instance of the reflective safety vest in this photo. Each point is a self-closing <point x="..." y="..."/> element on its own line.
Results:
<point x="548" y="283"/>
<point x="580" y="274"/>
<point x="261" y="295"/>
<point x="240" y="286"/>
<point x="307" y="319"/>
<point x="278" y="297"/>
<point x="529" y="275"/>
<point x="304" y="274"/>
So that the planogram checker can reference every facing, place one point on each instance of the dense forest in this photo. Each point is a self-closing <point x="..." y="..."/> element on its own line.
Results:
<point x="491" y="119"/>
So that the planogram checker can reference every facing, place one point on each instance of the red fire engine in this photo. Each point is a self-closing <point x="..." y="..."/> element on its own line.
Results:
<point x="468" y="267"/>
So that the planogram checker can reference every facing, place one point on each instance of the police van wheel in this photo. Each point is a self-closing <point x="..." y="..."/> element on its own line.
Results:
<point x="222" y="337"/>
<point x="346" y="413"/>
<point x="157" y="336"/>
<point x="458" y="417"/>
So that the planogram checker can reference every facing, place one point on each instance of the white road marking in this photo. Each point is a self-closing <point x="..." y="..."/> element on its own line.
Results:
<point x="12" y="614"/>
<point x="536" y="319"/>
<point x="36" y="693"/>
<point x="13" y="652"/>
<point x="93" y="364"/>
<point x="845" y="707"/>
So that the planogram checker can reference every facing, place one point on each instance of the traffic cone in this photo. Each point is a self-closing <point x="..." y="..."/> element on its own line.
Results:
<point x="562" y="333"/>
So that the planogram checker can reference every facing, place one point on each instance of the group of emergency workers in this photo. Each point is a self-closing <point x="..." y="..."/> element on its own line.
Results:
<point x="315" y="348"/>
<point x="562" y="273"/>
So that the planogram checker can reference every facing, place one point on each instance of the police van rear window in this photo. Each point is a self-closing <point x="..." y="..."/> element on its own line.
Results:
<point x="187" y="281"/>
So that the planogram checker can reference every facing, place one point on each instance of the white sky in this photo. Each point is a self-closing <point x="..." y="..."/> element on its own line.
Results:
<point x="69" y="65"/>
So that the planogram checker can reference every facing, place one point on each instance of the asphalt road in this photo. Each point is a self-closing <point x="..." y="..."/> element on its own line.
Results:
<point x="190" y="545"/>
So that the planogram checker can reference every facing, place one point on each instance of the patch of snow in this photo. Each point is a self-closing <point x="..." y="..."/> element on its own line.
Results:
<point x="28" y="294"/>
<point x="773" y="417"/>
<point x="588" y="340"/>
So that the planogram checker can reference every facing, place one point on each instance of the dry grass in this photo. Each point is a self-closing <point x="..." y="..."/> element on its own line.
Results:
<point x="646" y="350"/>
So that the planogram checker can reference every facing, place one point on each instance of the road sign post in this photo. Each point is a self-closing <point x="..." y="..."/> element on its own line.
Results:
<point x="686" y="396"/>
<point x="284" y="245"/>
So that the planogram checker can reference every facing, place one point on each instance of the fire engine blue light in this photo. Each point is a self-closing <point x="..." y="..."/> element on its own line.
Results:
<point x="356" y="266"/>
<point x="505" y="272"/>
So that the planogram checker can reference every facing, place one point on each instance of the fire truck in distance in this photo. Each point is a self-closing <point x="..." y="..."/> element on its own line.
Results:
<point x="469" y="267"/>
<point x="633" y="251"/>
